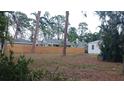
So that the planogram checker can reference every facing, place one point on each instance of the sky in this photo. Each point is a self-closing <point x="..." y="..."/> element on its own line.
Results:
<point x="60" y="6"/>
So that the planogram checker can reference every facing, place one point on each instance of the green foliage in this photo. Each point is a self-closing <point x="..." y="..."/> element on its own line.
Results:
<point x="4" y="34"/>
<point x="82" y="28"/>
<point x="112" y="33"/>
<point x="23" y="20"/>
<point x="18" y="70"/>
<point x="12" y="70"/>
<point x="20" y="23"/>
<point x="58" y="26"/>
<point x="2" y="21"/>
<point x="46" y="25"/>
<point x="72" y="35"/>
<point x="21" y="68"/>
<point x="89" y="37"/>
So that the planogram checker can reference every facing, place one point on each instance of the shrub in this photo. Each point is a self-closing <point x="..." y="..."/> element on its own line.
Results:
<point x="10" y="70"/>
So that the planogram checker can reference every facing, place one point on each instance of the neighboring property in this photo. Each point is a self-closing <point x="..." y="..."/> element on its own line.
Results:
<point x="54" y="42"/>
<point x="82" y="44"/>
<point x="93" y="47"/>
<point x="25" y="42"/>
<point x="44" y="42"/>
<point x="79" y="44"/>
<point x="22" y="41"/>
<point x="25" y="46"/>
<point x="19" y="42"/>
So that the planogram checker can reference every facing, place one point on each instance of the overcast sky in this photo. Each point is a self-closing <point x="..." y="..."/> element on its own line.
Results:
<point x="60" y="6"/>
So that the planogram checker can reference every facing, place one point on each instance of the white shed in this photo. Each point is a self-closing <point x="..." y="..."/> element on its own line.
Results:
<point x="93" y="47"/>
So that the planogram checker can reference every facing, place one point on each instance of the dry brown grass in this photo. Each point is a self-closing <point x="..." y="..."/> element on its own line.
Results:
<point x="78" y="67"/>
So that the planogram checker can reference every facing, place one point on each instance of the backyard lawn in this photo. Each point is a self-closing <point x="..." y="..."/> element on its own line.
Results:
<point x="78" y="67"/>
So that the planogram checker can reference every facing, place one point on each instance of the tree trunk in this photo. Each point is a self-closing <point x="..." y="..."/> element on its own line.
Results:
<point x="65" y="33"/>
<point x="5" y="43"/>
<point x="17" y="25"/>
<point x="58" y="33"/>
<point x="58" y="36"/>
<point x="36" y="32"/>
<point x="123" y="66"/>
<point x="16" y="33"/>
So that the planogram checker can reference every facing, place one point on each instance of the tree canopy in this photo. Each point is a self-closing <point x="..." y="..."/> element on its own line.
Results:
<point x="4" y="34"/>
<point x="112" y="34"/>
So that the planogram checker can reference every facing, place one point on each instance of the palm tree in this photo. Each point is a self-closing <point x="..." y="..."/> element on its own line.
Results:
<point x="20" y="23"/>
<point x="46" y="25"/>
<point x="58" y="26"/>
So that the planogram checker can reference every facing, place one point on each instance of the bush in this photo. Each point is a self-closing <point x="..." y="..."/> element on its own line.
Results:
<point x="17" y="70"/>
<point x="10" y="70"/>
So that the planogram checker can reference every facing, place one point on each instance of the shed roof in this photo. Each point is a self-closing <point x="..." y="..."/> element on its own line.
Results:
<point x="21" y="41"/>
<point x="97" y="41"/>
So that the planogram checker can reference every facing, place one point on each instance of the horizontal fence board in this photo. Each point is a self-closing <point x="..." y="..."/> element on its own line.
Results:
<point x="18" y="48"/>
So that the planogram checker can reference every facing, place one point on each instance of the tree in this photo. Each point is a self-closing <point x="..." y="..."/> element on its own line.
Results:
<point x="46" y="25"/>
<point x="82" y="29"/>
<point x="65" y="32"/>
<point x="32" y="29"/>
<point x="20" y="23"/>
<point x="36" y="32"/>
<point x="72" y="34"/>
<point x="89" y="37"/>
<point x="4" y="34"/>
<point x="58" y="26"/>
<point x="112" y="29"/>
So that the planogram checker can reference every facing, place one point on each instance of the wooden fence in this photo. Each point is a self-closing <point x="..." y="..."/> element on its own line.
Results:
<point x="18" y="48"/>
